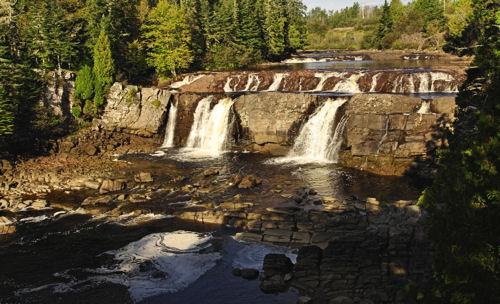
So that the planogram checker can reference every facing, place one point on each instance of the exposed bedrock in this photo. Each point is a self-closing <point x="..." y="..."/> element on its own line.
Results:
<point x="440" y="79"/>
<point x="384" y="133"/>
<point x="137" y="111"/>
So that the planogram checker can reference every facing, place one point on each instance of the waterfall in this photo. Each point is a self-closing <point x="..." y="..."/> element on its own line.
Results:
<point x="318" y="140"/>
<point x="185" y="81"/>
<point x="209" y="132"/>
<point x="338" y="139"/>
<point x="253" y="82"/>
<point x="168" y="142"/>
<point x="227" y="86"/>
<point x="322" y="78"/>
<point x="277" y="78"/>
<point x="374" y="82"/>
<point x="425" y="108"/>
<point x="348" y="85"/>
<point x="445" y="77"/>
<point x="424" y="82"/>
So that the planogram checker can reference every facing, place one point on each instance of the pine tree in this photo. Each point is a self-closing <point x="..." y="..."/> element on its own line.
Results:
<point x="103" y="61"/>
<point x="384" y="27"/>
<point x="167" y="36"/>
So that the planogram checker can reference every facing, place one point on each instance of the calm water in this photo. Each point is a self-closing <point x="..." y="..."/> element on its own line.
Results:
<point x="63" y="258"/>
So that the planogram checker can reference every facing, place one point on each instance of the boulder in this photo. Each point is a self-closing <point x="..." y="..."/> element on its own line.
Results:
<point x="143" y="177"/>
<point x="235" y="180"/>
<point x="210" y="172"/>
<point x="249" y="181"/>
<point x="249" y="274"/>
<point x="276" y="264"/>
<point x="110" y="185"/>
<point x="90" y="149"/>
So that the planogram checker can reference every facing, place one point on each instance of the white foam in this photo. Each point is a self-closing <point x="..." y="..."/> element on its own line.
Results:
<point x="158" y="153"/>
<point x="303" y="60"/>
<point x="158" y="263"/>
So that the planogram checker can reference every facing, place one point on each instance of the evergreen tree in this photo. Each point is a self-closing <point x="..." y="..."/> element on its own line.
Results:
<point x="84" y="84"/>
<point x="275" y="30"/>
<point x="103" y="61"/>
<point x="432" y="11"/>
<point x="463" y="203"/>
<point x="397" y="10"/>
<point x="167" y="36"/>
<point x="384" y="27"/>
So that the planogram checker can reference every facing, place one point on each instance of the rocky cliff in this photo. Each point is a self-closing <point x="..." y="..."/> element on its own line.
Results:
<point x="384" y="134"/>
<point x="140" y="111"/>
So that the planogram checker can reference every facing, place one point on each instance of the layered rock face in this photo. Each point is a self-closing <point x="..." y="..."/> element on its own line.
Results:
<point x="137" y="111"/>
<point x="384" y="133"/>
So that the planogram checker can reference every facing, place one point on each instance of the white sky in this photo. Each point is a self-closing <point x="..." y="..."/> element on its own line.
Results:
<point x="339" y="4"/>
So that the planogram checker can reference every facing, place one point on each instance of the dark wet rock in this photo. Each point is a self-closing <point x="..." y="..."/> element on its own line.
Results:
<point x="236" y="272"/>
<point x="273" y="284"/>
<point x="249" y="181"/>
<point x="210" y="172"/>
<point x="143" y="177"/>
<point x="110" y="185"/>
<point x="276" y="264"/>
<point x="249" y="274"/>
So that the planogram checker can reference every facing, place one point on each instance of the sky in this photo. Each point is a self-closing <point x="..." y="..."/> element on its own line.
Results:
<point x="339" y="4"/>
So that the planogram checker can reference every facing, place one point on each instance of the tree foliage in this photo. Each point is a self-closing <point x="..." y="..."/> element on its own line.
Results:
<point x="464" y="201"/>
<point x="167" y="37"/>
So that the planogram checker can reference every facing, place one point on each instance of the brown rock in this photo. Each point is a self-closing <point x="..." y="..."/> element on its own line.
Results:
<point x="249" y="181"/>
<point x="110" y="185"/>
<point x="235" y="180"/>
<point x="210" y="172"/>
<point x="143" y="177"/>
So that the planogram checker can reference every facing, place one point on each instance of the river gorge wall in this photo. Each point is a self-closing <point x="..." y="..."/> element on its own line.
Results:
<point x="385" y="133"/>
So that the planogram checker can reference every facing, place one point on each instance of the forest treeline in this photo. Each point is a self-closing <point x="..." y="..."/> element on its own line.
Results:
<point x="420" y="24"/>
<point x="131" y="40"/>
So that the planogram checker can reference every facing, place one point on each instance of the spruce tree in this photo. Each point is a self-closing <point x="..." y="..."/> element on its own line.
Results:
<point x="384" y="27"/>
<point x="103" y="61"/>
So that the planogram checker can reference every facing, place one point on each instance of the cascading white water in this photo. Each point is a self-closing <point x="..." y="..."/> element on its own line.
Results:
<point x="168" y="142"/>
<point x="253" y="82"/>
<point x="185" y="81"/>
<point x="374" y="82"/>
<point x="338" y="139"/>
<point x="348" y="85"/>
<point x="424" y="85"/>
<point x="209" y="132"/>
<point x="445" y="77"/>
<point x="425" y="108"/>
<point x="277" y="78"/>
<point x="318" y="140"/>
<point x="323" y="77"/>
<point x="227" y="86"/>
